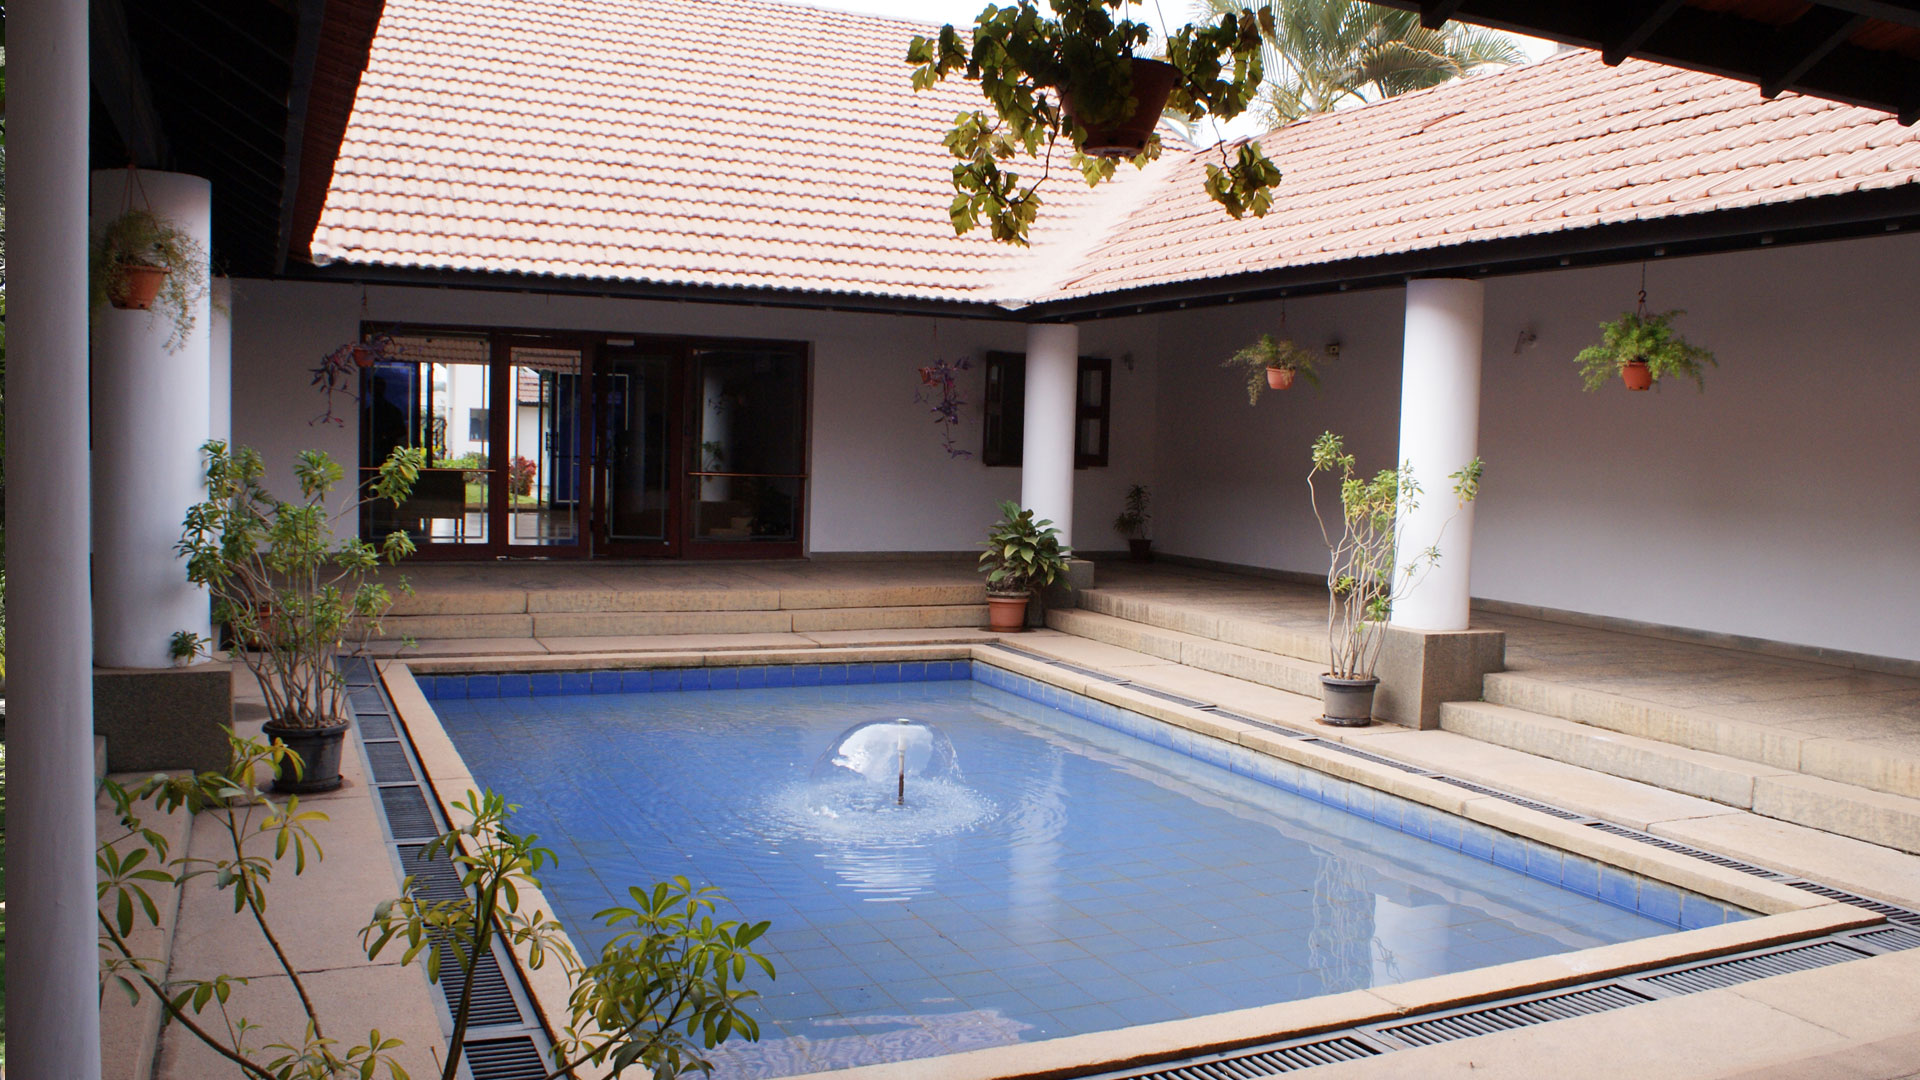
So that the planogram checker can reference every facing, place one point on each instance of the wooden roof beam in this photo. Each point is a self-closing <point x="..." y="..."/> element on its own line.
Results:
<point x="1899" y="12"/>
<point x="1635" y="23"/>
<point x="1820" y="31"/>
<point x="1435" y="13"/>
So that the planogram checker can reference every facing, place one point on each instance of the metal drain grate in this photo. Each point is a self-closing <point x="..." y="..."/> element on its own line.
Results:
<point x="389" y="762"/>
<point x="1723" y="973"/>
<point x="356" y="671"/>
<point x="1891" y="913"/>
<point x="506" y="1059"/>
<point x="408" y="816"/>
<point x="433" y="879"/>
<point x="1550" y="811"/>
<point x="1257" y="1063"/>
<point x="1004" y="647"/>
<point x="1681" y="849"/>
<point x="376" y="727"/>
<point x="1164" y="696"/>
<point x="1367" y="756"/>
<point x="1088" y="672"/>
<point x="366" y="698"/>
<point x="1466" y="1025"/>
<point x="493" y="1003"/>
<point x="1276" y="728"/>
<point x="1892" y="939"/>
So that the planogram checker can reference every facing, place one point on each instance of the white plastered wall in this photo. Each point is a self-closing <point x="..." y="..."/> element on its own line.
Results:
<point x="1783" y="503"/>
<point x="880" y="479"/>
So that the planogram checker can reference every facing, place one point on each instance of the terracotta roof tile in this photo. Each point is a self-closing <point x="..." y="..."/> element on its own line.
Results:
<point x="690" y="142"/>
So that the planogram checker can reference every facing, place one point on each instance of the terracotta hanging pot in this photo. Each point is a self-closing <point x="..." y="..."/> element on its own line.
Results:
<point x="136" y="287"/>
<point x="1152" y="84"/>
<point x="1279" y="378"/>
<point x="1636" y="375"/>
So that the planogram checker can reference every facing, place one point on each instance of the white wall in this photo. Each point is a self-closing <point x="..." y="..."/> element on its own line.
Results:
<point x="1783" y="503"/>
<point x="880" y="479"/>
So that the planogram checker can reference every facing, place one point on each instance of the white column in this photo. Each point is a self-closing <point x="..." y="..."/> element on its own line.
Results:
<point x="220" y="363"/>
<point x="1046" y="466"/>
<point x="1439" y="433"/>
<point x="53" y="1028"/>
<point x="150" y="417"/>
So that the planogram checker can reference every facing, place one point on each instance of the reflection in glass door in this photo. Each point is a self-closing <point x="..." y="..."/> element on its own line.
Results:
<point x="543" y="468"/>
<point x="434" y="394"/>
<point x="748" y="467"/>
<point x="633" y="466"/>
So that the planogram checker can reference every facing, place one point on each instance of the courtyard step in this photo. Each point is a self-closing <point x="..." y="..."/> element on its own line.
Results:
<point x="1845" y="809"/>
<point x="1309" y="644"/>
<point x="1874" y="767"/>
<point x="578" y="624"/>
<point x="1252" y="665"/>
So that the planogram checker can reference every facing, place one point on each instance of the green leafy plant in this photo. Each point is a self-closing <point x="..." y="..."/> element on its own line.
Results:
<point x="1022" y="554"/>
<point x="185" y="645"/>
<point x="1367" y="568"/>
<point x="141" y="237"/>
<point x="256" y="835"/>
<point x="1271" y="352"/>
<point x="1639" y="335"/>
<point x="1028" y="65"/>
<point x="1132" y="520"/>
<point x="293" y="597"/>
<point x="666" y="989"/>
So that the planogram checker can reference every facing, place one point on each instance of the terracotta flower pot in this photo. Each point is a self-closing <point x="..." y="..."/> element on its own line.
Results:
<point x="136" y="287"/>
<point x="1636" y="375"/>
<point x="1152" y="84"/>
<point x="1348" y="702"/>
<point x="319" y="750"/>
<point x="1279" y="378"/>
<point x="1007" y="614"/>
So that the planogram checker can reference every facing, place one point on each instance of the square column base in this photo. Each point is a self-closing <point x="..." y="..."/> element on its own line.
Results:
<point x="164" y="718"/>
<point x="1419" y="669"/>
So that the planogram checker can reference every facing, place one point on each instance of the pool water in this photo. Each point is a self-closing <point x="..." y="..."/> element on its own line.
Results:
<point x="1070" y="879"/>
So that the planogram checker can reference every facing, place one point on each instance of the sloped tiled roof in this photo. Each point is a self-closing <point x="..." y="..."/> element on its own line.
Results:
<point x="689" y="142"/>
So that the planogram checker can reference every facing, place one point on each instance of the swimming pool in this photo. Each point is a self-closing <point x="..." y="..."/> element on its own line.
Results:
<point x="1083" y="879"/>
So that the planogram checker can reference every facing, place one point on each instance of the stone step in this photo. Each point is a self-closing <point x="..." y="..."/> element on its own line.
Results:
<point x="1877" y="768"/>
<point x="1303" y="644"/>
<point x="1195" y="651"/>
<point x="1844" y="809"/>
<point x="579" y="624"/>
<point x="480" y="598"/>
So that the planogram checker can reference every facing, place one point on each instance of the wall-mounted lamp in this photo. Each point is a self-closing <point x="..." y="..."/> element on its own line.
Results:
<point x="1333" y="350"/>
<point x="1525" y="341"/>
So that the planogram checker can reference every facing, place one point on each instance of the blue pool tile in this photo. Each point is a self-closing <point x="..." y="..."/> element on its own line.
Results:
<point x="780" y="675"/>
<point x="544" y="683"/>
<point x="1697" y="911"/>
<point x="666" y="680"/>
<point x="1580" y="874"/>
<point x="695" y="679"/>
<point x="886" y="673"/>
<point x="723" y="678"/>
<point x="448" y="687"/>
<point x="606" y="682"/>
<point x="636" y="682"/>
<point x="1661" y="901"/>
<point x="913" y="671"/>
<point x="576" y="682"/>
<point x="483" y="686"/>
<point x="753" y="678"/>
<point x="515" y="684"/>
<point x="1448" y="830"/>
<point x="808" y="675"/>
<point x="1477" y="840"/>
<point x="1509" y="851"/>
<point x="859" y="674"/>
<point x="426" y="685"/>
<point x="1388" y="809"/>
<point x="833" y="675"/>
<point x="1619" y="888"/>
<point x="1543" y="862"/>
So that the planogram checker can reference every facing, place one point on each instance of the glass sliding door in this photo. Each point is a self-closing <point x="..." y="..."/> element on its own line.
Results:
<point x="636" y="426"/>
<point x="748" y="461"/>
<point x="435" y="393"/>
<point x="545" y="480"/>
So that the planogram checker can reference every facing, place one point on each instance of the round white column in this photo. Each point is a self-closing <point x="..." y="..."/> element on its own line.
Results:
<point x="220" y="362"/>
<point x="1046" y="464"/>
<point x="53" y="960"/>
<point x="150" y="417"/>
<point x="1439" y="433"/>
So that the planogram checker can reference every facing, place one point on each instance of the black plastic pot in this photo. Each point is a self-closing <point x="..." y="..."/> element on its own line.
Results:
<point x="1348" y="702"/>
<point x="319" y="750"/>
<point x="1141" y="550"/>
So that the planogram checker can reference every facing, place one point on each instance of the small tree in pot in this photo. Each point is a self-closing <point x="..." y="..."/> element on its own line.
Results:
<point x="1367" y="568"/>
<point x="1021" y="555"/>
<point x="292" y="597"/>
<point x="1132" y="523"/>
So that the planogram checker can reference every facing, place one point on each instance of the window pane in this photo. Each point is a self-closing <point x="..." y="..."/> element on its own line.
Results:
<point x="426" y="395"/>
<point x="543" y="460"/>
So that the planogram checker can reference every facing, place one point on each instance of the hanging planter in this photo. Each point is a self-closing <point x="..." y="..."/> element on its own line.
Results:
<point x="1273" y="364"/>
<point x="1637" y="375"/>
<point x="1279" y="378"/>
<point x="144" y="262"/>
<point x="1126" y="138"/>
<point x="1643" y="348"/>
<point x="136" y="287"/>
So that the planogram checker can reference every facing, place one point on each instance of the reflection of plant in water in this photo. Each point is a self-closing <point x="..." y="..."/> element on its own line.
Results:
<point x="1339" y="948"/>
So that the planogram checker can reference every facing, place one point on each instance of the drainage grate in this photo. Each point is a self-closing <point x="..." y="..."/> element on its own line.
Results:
<point x="433" y="879"/>
<point x="1004" y="647"/>
<point x="1550" y="811"/>
<point x="1713" y="976"/>
<point x="408" y="816"/>
<point x="1893" y="914"/>
<point x="389" y="762"/>
<point x="1247" y="1065"/>
<point x="1892" y="939"/>
<point x="493" y="1003"/>
<point x="1164" y="696"/>
<point x="1290" y="733"/>
<point x="506" y="1059"/>
<point x="1681" y="849"/>
<point x="1088" y="672"/>
<point x="376" y="727"/>
<point x="1465" y="1025"/>
<point x="356" y="671"/>
<point x="1367" y="756"/>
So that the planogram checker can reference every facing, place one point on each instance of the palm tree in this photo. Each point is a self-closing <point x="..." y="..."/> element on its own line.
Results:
<point x="1324" y="54"/>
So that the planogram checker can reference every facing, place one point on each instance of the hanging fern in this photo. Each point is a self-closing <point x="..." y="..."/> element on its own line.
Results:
<point x="1638" y="335"/>
<point x="141" y="237"/>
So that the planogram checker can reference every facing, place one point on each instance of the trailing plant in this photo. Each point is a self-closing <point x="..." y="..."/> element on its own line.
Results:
<point x="1133" y="518"/>
<point x="1368" y="568"/>
<point x="292" y="596"/>
<point x="1026" y="63"/>
<point x="940" y="391"/>
<point x="667" y="988"/>
<point x="339" y="371"/>
<point x="140" y="237"/>
<point x="1271" y="352"/>
<point x="1022" y="554"/>
<point x="1650" y="337"/>
<point x="256" y="836"/>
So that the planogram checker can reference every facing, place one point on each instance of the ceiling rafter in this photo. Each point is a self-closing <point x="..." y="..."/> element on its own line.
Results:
<point x="1816" y="34"/>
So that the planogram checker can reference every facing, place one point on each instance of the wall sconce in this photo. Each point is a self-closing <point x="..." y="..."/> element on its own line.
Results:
<point x="1333" y="349"/>
<point x="1525" y="341"/>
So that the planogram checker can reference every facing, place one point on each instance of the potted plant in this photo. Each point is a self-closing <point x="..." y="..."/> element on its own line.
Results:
<point x="1367" y="570"/>
<point x="1272" y="364"/>
<point x="1642" y="348"/>
<point x="1021" y="555"/>
<point x="293" y="597"/>
<point x="142" y="262"/>
<point x="184" y="646"/>
<point x="1132" y="523"/>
